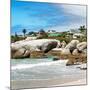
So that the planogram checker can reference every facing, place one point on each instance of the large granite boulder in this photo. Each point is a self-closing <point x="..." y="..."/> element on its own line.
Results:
<point x="23" y="48"/>
<point x="48" y="46"/>
<point x="70" y="62"/>
<point x="35" y="44"/>
<point x="72" y="45"/>
<point x="21" y="53"/>
<point x="81" y="46"/>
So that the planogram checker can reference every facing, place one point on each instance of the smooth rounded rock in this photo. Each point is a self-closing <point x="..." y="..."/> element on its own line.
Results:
<point x="75" y="52"/>
<point x="19" y="53"/>
<point x="81" y="46"/>
<point x="49" y="46"/>
<point x="73" y="44"/>
<point x="65" y="52"/>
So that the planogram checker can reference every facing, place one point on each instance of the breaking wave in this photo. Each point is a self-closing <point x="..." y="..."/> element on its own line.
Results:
<point x="25" y="66"/>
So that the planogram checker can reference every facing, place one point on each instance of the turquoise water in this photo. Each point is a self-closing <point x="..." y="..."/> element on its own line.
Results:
<point x="46" y="68"/>
<point x="29" y="61"/>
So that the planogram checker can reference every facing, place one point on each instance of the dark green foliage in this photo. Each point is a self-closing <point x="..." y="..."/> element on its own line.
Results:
<point x="32" y="33"/>
<point x="16" y="37"/>
<point x="82" y="28"/>
<point x="42" y="34"/>
<point x="41" y="31"/>
<point x="24" y="31"/>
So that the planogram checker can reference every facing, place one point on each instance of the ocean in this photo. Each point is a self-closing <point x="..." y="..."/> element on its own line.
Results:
<point x="43" y="69"/>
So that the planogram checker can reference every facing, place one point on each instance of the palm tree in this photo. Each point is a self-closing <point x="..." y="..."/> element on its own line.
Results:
<point x="24" y="31"/>
<point x="82" y="28"/>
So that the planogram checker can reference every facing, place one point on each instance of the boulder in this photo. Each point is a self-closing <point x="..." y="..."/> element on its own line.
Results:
<point x="83" y="66"/>
<point x="48" y="46"/>
<point x="19" y="53"/>
<point x="72" y="45"/>
<point x="69" y="62"/>
<point x="75" y="52"/>
<point x="63" y="44"/>
<point x="24" y="47"/>
<point x="65" y="52"/>
<point x="26" y="54"/>
<point x="81" y="46"/>
<point x="35" y="44"/>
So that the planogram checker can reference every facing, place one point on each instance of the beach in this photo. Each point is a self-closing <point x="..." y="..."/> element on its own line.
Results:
<point x="31" y="84"/>
<point x="45" y="73"/>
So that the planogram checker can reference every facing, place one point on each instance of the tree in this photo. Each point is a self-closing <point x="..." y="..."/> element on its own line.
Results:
<point x="42" y="34"/>
<point x="32" y="33"/>
<point x="41" y="31"/>
<point x="24" y="31"/>
<point x="15" y="37"/>
<point x="82" y="28"/>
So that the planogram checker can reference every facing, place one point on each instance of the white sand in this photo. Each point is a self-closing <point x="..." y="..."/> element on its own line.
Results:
<point x="46" y="83"/>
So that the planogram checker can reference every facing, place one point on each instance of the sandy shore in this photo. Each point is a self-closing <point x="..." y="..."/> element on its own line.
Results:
<point x="22" y="84"/>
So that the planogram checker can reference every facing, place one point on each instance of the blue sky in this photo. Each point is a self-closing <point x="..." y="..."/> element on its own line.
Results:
<point x="34" y="16"/>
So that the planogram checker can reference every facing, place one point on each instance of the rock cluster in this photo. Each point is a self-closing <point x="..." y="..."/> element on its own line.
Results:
<point x="76" y="49"/>
<point x="23" y="49"/>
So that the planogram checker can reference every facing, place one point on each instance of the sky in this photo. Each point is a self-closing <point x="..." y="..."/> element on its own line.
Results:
<point x="34" y="16"/>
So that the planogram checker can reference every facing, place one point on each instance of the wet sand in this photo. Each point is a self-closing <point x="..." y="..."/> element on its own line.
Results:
<point x="28" y="84"/>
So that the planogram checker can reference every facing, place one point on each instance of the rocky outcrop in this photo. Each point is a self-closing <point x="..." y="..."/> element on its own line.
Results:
<point x="23" y="48"/>
<point x="65" y="52"/>
<point x="70" y="47"/>
<point x="75" y="52"/>
<point x="72" y="44"/>
<point x="63" y="44"/>
<point x="83" y="67"/>
<point x="20" y="53"/>
<point x="70" y="62"/>
<point x="81" y="46"/>
<point x="48" y="46"/>
<point x="75" y="48"/>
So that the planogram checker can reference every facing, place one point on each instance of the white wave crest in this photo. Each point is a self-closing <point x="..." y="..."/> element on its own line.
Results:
<point x="25" y="66"/>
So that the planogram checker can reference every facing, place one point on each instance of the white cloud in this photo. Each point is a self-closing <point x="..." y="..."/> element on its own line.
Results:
<point x="66" y="27"/>
<point x="79" y="10"/>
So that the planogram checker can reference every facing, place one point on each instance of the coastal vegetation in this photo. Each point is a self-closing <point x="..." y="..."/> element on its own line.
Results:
<point x="66" y="36"/>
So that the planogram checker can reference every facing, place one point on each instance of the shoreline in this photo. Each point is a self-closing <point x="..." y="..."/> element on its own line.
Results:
<point x="32" y="84"/>
<point x="68" y="80"/>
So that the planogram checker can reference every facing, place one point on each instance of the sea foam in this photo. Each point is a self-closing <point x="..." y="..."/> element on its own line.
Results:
<point x="25" y="66"/>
